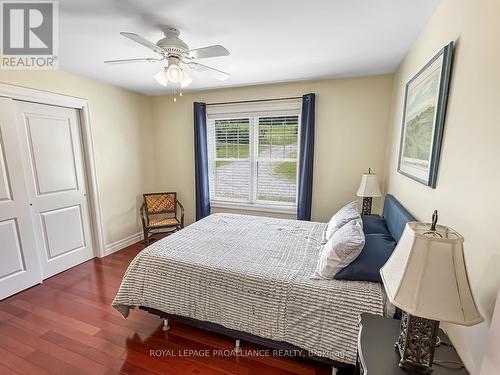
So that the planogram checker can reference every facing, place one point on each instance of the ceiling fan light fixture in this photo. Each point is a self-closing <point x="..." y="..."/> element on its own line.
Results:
<point x="178" y="58"/>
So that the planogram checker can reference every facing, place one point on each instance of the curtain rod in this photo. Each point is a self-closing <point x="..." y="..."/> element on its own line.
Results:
<point x="256" y="100"/>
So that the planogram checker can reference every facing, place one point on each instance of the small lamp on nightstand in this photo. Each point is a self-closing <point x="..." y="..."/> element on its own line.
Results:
<point x="368" y="188"/>
<point x="426" y="277"/>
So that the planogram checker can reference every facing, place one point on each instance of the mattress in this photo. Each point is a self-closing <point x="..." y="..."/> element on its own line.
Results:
<point x="252" y="274"/>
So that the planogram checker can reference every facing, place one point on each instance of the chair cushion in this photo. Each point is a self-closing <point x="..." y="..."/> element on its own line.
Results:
<point x="366" y="267"/>
<point x="163" y="221"/>
<point x="374" y="224"/>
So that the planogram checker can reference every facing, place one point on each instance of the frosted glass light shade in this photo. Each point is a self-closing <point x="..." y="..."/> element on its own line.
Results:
<point x="369" y="186"/>
<point x="161" y="77"/>
<point x="174" y="73"/>
<point x="186" y="80"/>
<point x="426" y="276"/>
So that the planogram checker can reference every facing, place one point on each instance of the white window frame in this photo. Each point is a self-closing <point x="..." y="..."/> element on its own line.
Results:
<point x="253" y="111"/>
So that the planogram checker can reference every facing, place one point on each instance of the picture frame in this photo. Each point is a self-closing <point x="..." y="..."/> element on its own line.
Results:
<point x="425" y="101"/>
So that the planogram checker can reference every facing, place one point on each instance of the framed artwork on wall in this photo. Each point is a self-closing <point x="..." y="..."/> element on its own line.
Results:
<point x="426" y="95"/>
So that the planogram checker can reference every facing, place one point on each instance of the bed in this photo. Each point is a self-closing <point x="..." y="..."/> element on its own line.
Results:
<point x="249" y="277"/>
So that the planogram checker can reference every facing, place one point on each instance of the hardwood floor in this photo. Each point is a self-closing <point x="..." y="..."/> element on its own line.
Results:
<point x="67" y="326"/>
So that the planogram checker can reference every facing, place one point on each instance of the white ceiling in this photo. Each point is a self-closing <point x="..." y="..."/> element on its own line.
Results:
<point x="269" y="40"/>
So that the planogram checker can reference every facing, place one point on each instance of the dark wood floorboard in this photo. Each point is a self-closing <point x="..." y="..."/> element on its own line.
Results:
<point x="67" y="326"/>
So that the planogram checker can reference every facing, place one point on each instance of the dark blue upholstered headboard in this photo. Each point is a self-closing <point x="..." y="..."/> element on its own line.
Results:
<point x="396" y="216"/>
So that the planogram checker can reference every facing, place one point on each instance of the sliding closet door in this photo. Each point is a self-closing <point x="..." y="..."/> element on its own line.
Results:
<point x="19" y="263"/>
<point x="55" y="175"/>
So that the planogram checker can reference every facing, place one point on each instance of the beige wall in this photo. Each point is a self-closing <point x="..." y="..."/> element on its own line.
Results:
<point x="122" y="143"/>
<point x="351" y="120"/>
<point x="469" y="174"/>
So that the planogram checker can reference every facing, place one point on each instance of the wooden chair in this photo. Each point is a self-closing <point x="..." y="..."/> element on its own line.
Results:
<point x="159" y="211"/>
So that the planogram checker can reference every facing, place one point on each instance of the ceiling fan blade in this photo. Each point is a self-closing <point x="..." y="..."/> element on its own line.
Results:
<point x="206" y="52"/>
<point x="218" y="74"/>
<point x="125" y="61"/>
<point x="146" y="43"/>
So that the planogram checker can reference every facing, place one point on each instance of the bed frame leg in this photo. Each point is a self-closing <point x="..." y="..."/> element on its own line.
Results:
<point x="237" y="348"/>
<point x="166" y="327"/>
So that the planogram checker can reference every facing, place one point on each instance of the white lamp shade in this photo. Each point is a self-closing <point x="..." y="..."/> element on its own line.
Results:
<point x="369" y="186"/>
<point x="426" y="276"/>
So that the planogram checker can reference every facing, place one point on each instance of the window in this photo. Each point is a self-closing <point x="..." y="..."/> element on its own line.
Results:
<point x="253" y="156"/>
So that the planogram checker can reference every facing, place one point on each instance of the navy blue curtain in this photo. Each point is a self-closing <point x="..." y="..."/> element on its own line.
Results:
<point x="306" y="158"/>
<point x="201" y="161"/>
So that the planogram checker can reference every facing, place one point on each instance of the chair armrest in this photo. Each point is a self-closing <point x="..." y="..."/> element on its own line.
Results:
<point x="144" y="217"/>
<point x="182" y="212"/>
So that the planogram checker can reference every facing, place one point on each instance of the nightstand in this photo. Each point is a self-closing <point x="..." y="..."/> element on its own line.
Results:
<point x="378" y="356"/>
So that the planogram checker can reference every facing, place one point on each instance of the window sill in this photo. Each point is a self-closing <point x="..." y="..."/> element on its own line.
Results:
<point x="278" y="209"/>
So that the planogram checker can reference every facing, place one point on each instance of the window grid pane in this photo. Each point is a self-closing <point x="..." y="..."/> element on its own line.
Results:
<point x="231" y="138"/>
<point x="232" y="180"/>
<point x="277" y="159"/>
<point x="231" y="175"/>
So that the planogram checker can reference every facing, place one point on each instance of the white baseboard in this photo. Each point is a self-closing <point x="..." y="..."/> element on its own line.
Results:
<point x="123" y="243"/>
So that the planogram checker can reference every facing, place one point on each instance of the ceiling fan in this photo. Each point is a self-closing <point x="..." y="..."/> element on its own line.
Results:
<point x="178" y="57"/>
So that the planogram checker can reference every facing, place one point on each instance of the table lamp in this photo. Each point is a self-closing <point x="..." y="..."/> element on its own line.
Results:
<point x="368" y="188"/>
<point x="426" y="277"/>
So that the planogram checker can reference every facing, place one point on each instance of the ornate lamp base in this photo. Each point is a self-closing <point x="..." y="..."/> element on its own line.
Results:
<point x="417" y="341"/>
<point x="367" y="206"/>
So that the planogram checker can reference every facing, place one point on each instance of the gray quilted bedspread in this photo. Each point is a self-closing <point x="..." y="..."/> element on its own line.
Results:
<point x="252" y="274"/>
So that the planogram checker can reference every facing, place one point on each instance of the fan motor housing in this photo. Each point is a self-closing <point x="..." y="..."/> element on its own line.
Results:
<point x="172" y="44"/>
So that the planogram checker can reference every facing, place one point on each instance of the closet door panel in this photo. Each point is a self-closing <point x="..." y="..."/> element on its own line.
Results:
<point x="5" y="193"/>
<point x="12" y="254"/>
<point x="53" y="167"/>
<point x="55" y="174"/>
<point x="57" y="241"/>
<point x="19" y="261"/>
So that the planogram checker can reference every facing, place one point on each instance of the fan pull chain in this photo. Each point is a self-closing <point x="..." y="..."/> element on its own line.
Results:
<point x="175" y="94"/>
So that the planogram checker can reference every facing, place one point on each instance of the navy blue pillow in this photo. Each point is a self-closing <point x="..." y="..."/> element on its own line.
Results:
<point x="366" y="267"/>
<point x="374" y="224"/>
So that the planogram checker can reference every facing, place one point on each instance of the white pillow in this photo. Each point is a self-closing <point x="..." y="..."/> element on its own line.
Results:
<point x="341" y="249"/>
<point x="346" y="214"/>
